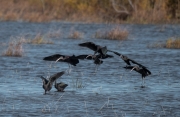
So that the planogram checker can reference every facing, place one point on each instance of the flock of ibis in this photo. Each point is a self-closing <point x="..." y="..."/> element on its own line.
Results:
<point x="99" y="54"/>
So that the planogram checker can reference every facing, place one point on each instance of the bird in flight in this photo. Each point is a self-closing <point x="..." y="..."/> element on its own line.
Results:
<point x="143" y="71"/>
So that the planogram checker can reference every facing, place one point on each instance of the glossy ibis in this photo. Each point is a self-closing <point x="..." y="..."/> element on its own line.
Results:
<point x="142" y="70"/>
<point x="63" y="58"/>
<point x="97" y="48"/>
<point x="47" y="84"/>
<point x="127" y="60"/>
<point x="60" y="86"/>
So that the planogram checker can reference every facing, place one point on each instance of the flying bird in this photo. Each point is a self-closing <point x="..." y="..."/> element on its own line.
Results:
<point x="47" y="83"/>
<point x="127" y="60"/>
<point x="60" y="86"/>
<point x="143" y="71"/>
<point x="62" y="58"/>
<point x="92" y="57"/>
<point x="96" y="48"/>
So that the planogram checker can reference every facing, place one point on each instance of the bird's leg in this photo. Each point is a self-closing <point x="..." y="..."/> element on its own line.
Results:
<point x="44" y="92"/>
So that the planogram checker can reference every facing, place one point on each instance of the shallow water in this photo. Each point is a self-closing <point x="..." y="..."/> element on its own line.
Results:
<point x="111" y="91"/>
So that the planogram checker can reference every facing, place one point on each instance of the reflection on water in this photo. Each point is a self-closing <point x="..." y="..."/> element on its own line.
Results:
<point x="112" y="91"/>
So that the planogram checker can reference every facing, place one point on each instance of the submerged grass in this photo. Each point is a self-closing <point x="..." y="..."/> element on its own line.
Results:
<point x="115" y="33"/>
<point x="77" y="83"/>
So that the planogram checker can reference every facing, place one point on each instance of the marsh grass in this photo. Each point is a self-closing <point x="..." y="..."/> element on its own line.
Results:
<point x="76" y="35"/>
<point x="39" y="39"/>
<point x="54" y="34"/>
<point x="115" y="33"/>
<point x="14" y="48"/>
<point x="173" y="43"/>
<point x="77" y="83"/>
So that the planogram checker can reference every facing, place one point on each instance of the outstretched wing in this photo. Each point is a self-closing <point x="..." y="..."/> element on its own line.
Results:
<point x="44" y="79"/>
<point x="116" y="53"/>
<point x="137" y="63"/>
<point x="56" y="76"/>
<point x="89" y="45"/>
<point x="149" y="73"/>
<point x="84" y="56"/>
<point x="129" y="67"/>
<point x="53" y="57"/>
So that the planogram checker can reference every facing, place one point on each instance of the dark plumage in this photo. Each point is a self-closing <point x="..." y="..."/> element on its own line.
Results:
<point x="92" y="57"/>
<point x="97" y="48"/>
<point x="127" y="60"/>
<point x="62" y="58"/>
<point x="142" y="70"/>
<point x="60" y="86"/>
<point x="47" y="84"/>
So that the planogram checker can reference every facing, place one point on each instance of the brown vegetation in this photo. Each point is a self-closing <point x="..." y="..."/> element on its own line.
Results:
<point x="76" y="35"/>
<point x="140" y="11"/>
<point x="116" y="33"/>
<point x="173" y="43"/>
<point x="38" y="39"/>
<point x="14" y="49"/>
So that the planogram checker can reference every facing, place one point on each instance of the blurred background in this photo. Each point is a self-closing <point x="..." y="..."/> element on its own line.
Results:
<point x="116" y="11"/>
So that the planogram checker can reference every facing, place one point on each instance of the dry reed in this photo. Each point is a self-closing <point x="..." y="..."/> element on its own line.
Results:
<point x="76" y="35"/>
<point x="113" y="34"/>
<point x="173" y="43"/>
<point x="14" y="49"/>
<point x="39" y="39"/>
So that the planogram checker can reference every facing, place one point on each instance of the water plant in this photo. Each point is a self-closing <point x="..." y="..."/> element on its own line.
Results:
<point x="77" y="83"/>
<point x="39" y="39"/>
<point x="173" y="43"/>
<point x="14" y="48"/>
<point x="115" y="33"/>
<point x="76" y="35"/>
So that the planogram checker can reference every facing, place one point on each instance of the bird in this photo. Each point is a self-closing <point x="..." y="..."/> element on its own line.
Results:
<point x="127" y="60"/>
<point x="142" y="70"/>
<point x="92" y="57"/>
<point x="60" y="86"/>
<point x="63" y="58"/>
<point x="96" y="58"/>
<point x="47" y="84"/>
<point x="97" y="48"/>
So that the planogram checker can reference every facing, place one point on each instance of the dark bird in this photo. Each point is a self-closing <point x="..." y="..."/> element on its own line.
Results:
<point x="92" y="57"/>
<point x="62" y="58"/>
<point x="127" y="60"/>
<point x="97" y="48"/>
<point x="143" y="71"/>
<point x="60" y="86"/>
<point x="47" y="84"/>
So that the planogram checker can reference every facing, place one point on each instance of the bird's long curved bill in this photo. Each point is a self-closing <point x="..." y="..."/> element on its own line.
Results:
<point x="58" y="59"/>
<point x="132" y="69"/>
<point x="89" y="56"/>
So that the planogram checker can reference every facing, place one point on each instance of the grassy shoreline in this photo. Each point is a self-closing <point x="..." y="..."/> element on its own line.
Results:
<point x="92" y="11"/>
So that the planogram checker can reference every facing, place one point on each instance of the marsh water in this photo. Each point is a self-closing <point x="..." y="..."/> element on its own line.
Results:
<point x="109" y="91"/>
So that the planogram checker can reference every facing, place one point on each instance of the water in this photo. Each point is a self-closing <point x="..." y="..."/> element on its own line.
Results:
<point x="112" y="91"/>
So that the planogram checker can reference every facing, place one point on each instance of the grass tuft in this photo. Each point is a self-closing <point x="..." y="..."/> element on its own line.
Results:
<point x="54" y="34"/>
<point x="14" y="49"/>
<point x="113" y="34"/>
<point x="76" y="35"/>
<point x="77" y="83"/>
<point x="173" y="43"/>
<point x="39" y="39"/>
